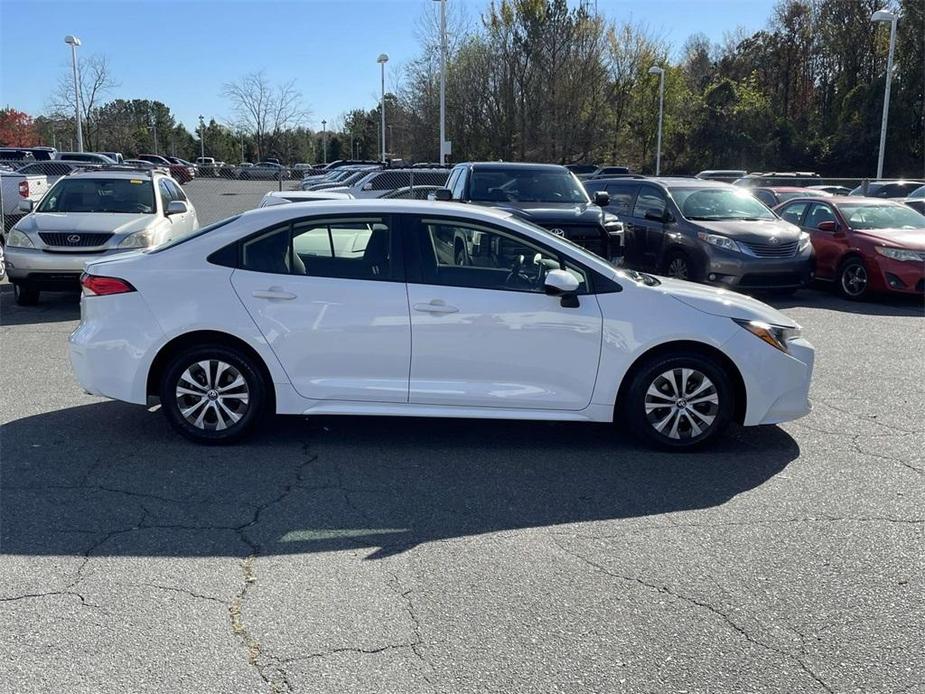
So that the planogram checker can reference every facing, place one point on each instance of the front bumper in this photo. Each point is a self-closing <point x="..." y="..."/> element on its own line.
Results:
<point x="902" y="276"/>
<point x="744" y="272"/>
<point x="40" y="267"/>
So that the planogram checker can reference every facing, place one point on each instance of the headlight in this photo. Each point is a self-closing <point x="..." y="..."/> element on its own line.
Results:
<point x="900" y="253"/>
<point x="140" y="239"/>
<point x="804" y="240"/>
<point x="719" y="241"/>
<point x="775" y="335"/>
<point x="18" y="239"/>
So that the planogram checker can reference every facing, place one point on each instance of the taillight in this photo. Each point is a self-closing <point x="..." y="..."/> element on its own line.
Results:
<point x="24" y="189"/>
<point x="95" y="285"/>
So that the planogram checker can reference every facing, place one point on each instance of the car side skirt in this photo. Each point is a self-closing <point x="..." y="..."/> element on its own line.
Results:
<point x="592" y="413"/>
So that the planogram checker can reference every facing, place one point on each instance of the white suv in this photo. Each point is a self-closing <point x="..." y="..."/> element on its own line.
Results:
<point x="89" y="215"/>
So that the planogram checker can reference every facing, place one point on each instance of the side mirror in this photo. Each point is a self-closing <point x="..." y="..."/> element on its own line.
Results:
<point x="443" y="194"/>
<point x="828" y="225"/>
<point x="560" y="282"/>
<point x="26" y="205"/>
<point x="176" y="207"/>
<point x="601" y="198"/>
<point x="656" y="216"/>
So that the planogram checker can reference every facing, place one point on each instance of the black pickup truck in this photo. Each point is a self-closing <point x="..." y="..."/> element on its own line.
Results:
<point x="546" y="194"/>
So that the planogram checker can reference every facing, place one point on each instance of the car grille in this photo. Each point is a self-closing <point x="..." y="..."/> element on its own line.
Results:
<point x="586" y="236"/>
<point x="783" y="249"/>
<point x="73" y="240"/>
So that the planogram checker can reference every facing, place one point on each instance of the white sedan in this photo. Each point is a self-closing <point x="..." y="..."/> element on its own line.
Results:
<point x="395" y="307"/>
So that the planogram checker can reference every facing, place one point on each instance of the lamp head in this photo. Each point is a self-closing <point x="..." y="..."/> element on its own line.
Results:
<point x="883" y="16"/>
<point x="71" y="40"/>
<point x="655" y="70"/>
<point x="383" y="58"/>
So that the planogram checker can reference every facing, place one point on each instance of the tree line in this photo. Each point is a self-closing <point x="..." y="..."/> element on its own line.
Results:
<point x="538" y="80"/>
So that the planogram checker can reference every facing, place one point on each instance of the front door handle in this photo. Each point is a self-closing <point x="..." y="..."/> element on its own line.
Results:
<point x="274" y="293"/>
<point x="436" y="306"/>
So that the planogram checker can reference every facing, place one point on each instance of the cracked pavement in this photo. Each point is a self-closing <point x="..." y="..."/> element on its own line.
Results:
<point x="387" y="555"/>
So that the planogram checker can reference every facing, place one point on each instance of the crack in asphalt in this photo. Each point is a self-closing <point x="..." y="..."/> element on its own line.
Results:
<point x="665" y="590"/>
<point x="51" y="594"/>
<point x="178" y="589"/>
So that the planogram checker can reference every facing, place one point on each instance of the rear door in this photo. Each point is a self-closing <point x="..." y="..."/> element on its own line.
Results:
<point x="329" y="296"/>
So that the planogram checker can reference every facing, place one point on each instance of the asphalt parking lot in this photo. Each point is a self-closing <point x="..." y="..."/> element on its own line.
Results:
<point x="386" y="555"/>
<point x="217" y="198"/>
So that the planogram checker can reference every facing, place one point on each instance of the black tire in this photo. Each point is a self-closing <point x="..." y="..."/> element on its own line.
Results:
<point x="250" y="409"/>
<point x="853" y="281"/>
<point x="706" y="381"/>
<point x="679" y="265"/>
<point x="24" y="295"/>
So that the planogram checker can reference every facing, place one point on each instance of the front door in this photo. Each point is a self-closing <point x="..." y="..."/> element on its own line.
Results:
<point x="484" y="332"/>
<point x="330" y="299"/>
<point x="828" y="246"/>
<point x="650" y="200"/>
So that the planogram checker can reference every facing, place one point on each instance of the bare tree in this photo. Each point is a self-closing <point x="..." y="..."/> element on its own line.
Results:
<point x="95" y="83"/>
<point x="264" y="110"/>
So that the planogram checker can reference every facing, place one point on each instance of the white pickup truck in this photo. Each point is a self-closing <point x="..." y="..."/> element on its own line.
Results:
<point x="15" y="188"/>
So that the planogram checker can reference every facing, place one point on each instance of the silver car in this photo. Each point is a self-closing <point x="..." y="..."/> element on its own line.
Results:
<point x="89" y="215"/>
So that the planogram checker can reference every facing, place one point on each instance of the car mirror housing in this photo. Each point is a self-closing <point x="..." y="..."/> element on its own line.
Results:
<point x="443" y="194"/>
<point x="601" y="198"/>
<point x="176" y="207"/>
<point x="560" y="282"/>
<point x="656" y="215"/>
<point x="828" y="225"/>
<point x="26" y="205"/>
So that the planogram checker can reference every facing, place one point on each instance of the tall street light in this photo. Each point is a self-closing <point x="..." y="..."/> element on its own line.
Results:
<point x="202" y="138"/>
<point x="885" y="16"/>
<point x="73" y="42"/>
<point x="444" y="145"/>
<point x="324" y="141"/>
<point x="382" y="60"/>
<point x="656" y="70"/>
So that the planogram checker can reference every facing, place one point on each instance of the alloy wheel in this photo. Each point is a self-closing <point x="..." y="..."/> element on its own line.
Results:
<point x="681" y="404"/>
<point x="854" y="279"/>
<point x="212" y="395"/>
<point x="678" y="268"/>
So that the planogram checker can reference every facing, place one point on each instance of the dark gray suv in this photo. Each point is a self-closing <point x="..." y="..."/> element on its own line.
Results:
<point x="707" y="231"/>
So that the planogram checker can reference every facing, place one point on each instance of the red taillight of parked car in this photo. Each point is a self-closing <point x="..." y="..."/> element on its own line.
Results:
<point x="24" y="189"/>
<point x="95" y="285"/>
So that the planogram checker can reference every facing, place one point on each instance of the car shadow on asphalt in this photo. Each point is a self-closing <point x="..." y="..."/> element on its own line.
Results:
<point x="110" y="479"/>
<point x="875" y="305"/>
<point x="54" y="307"/>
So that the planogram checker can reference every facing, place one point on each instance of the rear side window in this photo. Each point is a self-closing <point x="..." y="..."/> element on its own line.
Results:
<point x="794" y="213"/>
<point x="622" y="198"/>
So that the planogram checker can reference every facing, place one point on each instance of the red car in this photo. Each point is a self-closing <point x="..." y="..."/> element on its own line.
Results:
<point x="178" y="172"/>
<point x="863" y="244"/>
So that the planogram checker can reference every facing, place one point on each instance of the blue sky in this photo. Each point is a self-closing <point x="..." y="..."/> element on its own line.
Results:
<point x="182" y="51"/>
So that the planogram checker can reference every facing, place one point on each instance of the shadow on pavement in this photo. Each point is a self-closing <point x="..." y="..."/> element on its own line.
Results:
<point x="110" y="479"/>
<point x="53" y="307"/>
<point x="875" y="305"/>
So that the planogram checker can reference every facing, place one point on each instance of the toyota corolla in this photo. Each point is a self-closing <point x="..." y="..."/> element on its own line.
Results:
<point x="364" y="307"/>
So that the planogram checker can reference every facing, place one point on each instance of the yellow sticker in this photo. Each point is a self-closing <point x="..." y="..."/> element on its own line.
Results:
<point x="135" y="180"/>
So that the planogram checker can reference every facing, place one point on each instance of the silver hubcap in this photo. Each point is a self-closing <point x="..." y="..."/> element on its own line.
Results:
<point x="681" y="403"/>
<point x="212" y="395"/>
<point x="854" y="280"/>
<point x="678" y="269"/>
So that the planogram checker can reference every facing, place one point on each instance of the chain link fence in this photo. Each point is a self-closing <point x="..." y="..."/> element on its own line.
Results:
<point x="218" y="190"/>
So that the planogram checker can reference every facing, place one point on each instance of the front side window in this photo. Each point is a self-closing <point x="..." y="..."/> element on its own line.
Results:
<point x="766" y="196"/>
<point x="457" y="254"/>
<point x="622" y="197"/>
<point x="819" y="214"/>
<point x="164" y="192"/>
<point x="522" y="184"/>
<point x="122" y="195"/>
<point x="350" y="248"/>
<point x="649" y="200"/>
<point x="794" y="213"/>
<point x="719" y="204"/>
<point x="175" y="192"/>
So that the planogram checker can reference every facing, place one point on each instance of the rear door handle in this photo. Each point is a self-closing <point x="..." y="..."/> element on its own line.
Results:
<point x="274" y="293"/>
<point x="436" y="306"/>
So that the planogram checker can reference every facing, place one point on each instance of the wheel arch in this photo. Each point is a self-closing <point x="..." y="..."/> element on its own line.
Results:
<point x="675" y="346"/>
<point x="206" y="337"/>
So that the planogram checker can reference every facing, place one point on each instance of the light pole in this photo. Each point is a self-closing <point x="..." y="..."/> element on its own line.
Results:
<point x="153" y="127"/>
<point x="656" y="70"/>
<point x="73" y="42"/>
<point x="382" y="60"/>
<point x="443" y="142"/>
<point x="886" y="16"/>
<point x="324" y="140"/>
<point x="202" y="138"/>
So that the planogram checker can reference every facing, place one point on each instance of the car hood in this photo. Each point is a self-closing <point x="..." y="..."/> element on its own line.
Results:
<point x="722" y="302"/>
<point x="546" y="213"/>
<point x="86" y="222"/>
<point x="751" y="231"/>
<point x="912" y="239"/>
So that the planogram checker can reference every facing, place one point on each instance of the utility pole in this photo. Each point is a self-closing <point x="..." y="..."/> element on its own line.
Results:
<point x="382" y="60"/>
<point x="202" y="137"/>
<point x="73" y="42"/>
<point x="324" y="141"/>
<point x="443" y="142"/>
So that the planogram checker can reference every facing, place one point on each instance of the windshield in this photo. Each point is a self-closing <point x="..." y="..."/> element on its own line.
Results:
<point x="713" y="204"/>
<point x="526" y="185"/>
<point x="115" y="195"/>
<point x="882" y="217"/>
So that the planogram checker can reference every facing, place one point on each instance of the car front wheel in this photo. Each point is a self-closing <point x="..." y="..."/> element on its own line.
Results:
<point x="852" y="279"/>
<point x="24" y="295"/>
<point x="678" y="401"/>
<point x="213" y="394"/>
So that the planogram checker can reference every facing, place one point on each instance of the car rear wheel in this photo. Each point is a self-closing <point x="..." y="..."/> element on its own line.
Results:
<point x="853" y="281"/>
<point x="678" y="402"/>
<point x="24" y="295"/>
<point x="213" y="394"/>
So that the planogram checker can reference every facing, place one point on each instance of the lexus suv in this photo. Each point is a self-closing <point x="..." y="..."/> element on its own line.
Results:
<point x="548" y="195"/>
<point x="710" y="232"/>
<point x="90" y="215"/>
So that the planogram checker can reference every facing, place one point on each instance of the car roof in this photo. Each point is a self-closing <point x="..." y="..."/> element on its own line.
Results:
<point x="119" y="174"/>
<point x="387" y="206"/>
<point x="784" y="189"/>
<point x="512" y="165"/>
